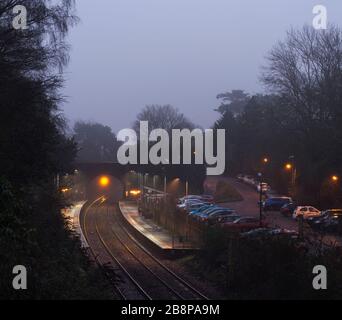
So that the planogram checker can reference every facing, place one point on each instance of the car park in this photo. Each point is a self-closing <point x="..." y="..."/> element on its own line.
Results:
<point x="244" y="224"/>
<point x="306" y="212"/>
<point x="275" y="203"/>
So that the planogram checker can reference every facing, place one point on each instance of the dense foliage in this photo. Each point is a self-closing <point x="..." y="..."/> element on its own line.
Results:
<point x="33" y="150"/>
<point x="95" y="141"/>
<point x="267" y="268"/>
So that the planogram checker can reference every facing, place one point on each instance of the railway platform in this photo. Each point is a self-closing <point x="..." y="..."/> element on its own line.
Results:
<point x="161" y="238"/>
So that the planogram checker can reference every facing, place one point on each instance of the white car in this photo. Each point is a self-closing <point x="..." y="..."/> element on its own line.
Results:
<point x="306" y="212"/>
<point x="249" y="180"/>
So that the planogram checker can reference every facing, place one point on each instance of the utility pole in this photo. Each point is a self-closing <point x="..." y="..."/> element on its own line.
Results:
<point x="165" y="185"/>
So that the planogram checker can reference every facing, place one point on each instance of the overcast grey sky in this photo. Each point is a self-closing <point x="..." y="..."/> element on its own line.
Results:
<point x="130" y="53"/>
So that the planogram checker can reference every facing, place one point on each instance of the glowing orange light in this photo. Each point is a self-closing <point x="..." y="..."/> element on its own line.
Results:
<point x="135" y="192"/>
<point x="265" y="160"/>
<point x="104" y="181"/>
<point x="288" y="166"/>
<point x="334" y="178"/>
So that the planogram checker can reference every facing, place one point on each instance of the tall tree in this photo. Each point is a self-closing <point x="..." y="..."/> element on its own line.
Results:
<point x="34" y="148"/>
<point x="232" y="101"/>
<point x="305" y="70"/>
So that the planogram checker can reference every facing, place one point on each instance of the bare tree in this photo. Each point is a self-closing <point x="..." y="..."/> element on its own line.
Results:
<point x="162" y="117"/>
<point x="306" y="70"/>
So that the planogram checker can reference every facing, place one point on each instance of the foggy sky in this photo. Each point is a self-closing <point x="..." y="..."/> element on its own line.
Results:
<point x="130" y="53"/>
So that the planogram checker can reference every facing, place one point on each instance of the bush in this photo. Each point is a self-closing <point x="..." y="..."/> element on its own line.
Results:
<point x="271" y="268"/>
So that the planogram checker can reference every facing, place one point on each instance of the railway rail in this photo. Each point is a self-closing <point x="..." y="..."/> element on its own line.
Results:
<point x="143" y="276"/>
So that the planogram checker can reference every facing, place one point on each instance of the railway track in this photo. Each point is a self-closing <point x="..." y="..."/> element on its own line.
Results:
<point x="136" y="265"/>
<point x="125" y="286"/>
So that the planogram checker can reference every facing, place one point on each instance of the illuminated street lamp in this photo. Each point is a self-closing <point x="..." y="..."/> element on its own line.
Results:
<point x="334" y="178"/>
<point x="288" y="166"/>
<point x="265" y="160"/>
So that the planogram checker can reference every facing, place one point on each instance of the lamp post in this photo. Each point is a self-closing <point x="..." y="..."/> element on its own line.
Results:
<point x="260" y="198"/>
<point x="291" y="166"/>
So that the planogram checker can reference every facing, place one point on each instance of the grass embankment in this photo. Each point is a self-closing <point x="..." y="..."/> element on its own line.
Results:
<point x="226" y="193"/>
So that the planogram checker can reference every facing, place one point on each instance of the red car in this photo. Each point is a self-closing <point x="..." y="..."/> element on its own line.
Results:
<point x="245" y="224"/>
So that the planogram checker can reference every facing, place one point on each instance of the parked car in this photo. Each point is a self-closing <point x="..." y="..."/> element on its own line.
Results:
<point x="193" y="206"/>
<point x="330" y="221"/>
<point x="275" y="203"/>
<point x="203" y="216"/>
<point x="306" y="212"/>
<point x="228" y="218"/>
<point x="216" y="216"/>
<point x="240" y="177"/>
<point x="203" y="197"/>
<point x="250" y="180"/>
<point x="244" y="224"/>
<point x="185" y="203"/>
<point x="201" y="209"/>
<point x="288" y="209"/>
<point x="267" y="233"/>
<point x="199" y="213"/>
